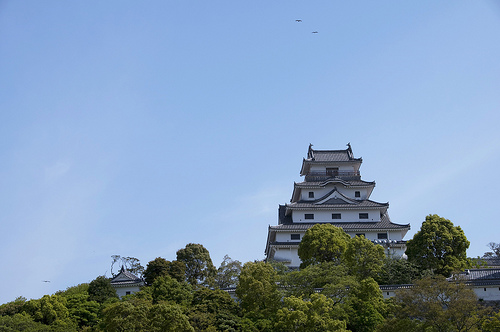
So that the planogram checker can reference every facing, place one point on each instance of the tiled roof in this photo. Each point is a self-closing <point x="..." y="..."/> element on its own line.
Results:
<point x="480" y="274"/>
<point x="384" y="224"/>
<point x="337" y="203"/>
<point x="331" y="155"/>
<point x="125" y="278"/>
<point x="350" y="183"/>
<point x="342" y="202"/>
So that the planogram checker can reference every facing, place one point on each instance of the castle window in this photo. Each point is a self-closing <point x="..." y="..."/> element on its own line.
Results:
<point x="127" y="293"/>
<point x="294" y="236"/>
<point x="357" y="194"/>
<point x="363" y="216"/>
<point x="336" y="216"/>
<point x="360" y="234"/>
<point x="311" y="194"/>
<point x="309" y="216"/>
<point x="382" y="236"/>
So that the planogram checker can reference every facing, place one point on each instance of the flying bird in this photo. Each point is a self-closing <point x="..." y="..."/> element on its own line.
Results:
<point x="45" y="280"/>
<point x="298" y="20"/>
<point x="315" y="32"/>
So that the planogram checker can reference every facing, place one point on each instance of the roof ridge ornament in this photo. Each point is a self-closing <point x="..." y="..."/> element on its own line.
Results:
<point x="310" y="152"/>
<point x="349" y="151"/>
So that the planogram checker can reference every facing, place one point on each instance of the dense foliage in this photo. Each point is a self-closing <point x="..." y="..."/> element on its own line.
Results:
<point x="337" y="291"/>
<point x="439" y="245"/>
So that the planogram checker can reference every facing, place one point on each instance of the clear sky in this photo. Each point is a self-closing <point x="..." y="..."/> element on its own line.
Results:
<point x="136" y="127"/>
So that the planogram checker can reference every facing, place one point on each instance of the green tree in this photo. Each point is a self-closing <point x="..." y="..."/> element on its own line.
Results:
<point x="213" y="308"/>
<point x="491" y="323"/>
<point x="165" y="317"/>
<point x="83" y="311"/>
<point x="228" y="272"/>
<point x="439" y="246"/>
<point x="316" y="314"/>
<point x="168" y="289"/>
<point x="365" y="306"/>
<point x="323" y="243"/>
<point x="13" y="307"/>
<point x="161" y="267"/>
<point x="100" y="290"/>
<point x="440" y="305"/>
<point x="21" y="322"/>
<point x="125" y="316"/>
<point x="50" y="310"/>
<point x="363" y="258"/>
<point x="199" y="267"/>
<point x="332" y="278"/>
<point x="397" y="271"/>
<point x="257" y="290"/>
<point x="132" y="264"/>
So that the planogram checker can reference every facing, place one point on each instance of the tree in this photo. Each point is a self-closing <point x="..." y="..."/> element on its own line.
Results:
<point x="397" y="271"/>
<point x="50" y="310"/>
<point x="132" y="264"/>
<point x="332" y="278"/>
<point x="363" y="258"/>
<point x="495" y="250"/>
<point x="365" y="306"/>
<point x="125" y="316"/>
<point x="168" y="318"/>
<point x="214" y="309"/>
<point x="168" y="289"/>
<point x="315" y="314"/>
<point x="440" y="305"/>
<point x="439" y="246"/>
<point x="228" y="272"/>
<point x="161" y="267"/>
<point x="22" y="322"/>
<point x="100" y="290"/>
<point x="257" y="290"/>
<point x="323" y="243"/>
<point x="199" y="267"/>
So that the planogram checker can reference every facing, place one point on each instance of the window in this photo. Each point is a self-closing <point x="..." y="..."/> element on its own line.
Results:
<point x="311" y="194"/>
<point x="357" y="194"/>
<point x="336" y="216"/>
<point x="332" y="171"/>
<point x="309" y="216"/>
<point x="127" y="293"/>
<point x="382" y="236"/>
<point x="363" y="216"/>
<point x="294" y="236"/>
<point x="360" y="234"/>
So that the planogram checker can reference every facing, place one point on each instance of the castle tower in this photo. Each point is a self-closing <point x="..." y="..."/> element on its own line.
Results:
<point x="332" y="192"/>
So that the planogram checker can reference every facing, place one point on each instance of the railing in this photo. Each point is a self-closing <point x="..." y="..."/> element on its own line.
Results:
<point x="323" y="175"/>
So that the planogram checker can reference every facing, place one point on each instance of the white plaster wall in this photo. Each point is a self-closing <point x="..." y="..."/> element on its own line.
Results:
<point x="326" y="216"/>
<point x="347" y="168"/>
<point x="289" y="254"/>
<point x="285" y="237"/>
<point x="374" y="235"/>
<point x="492" y="293"/>
<point x="122" y="291"/>
<point x="318" y="193"/>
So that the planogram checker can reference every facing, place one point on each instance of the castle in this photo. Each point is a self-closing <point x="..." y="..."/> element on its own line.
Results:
<point x="332" y="192"/>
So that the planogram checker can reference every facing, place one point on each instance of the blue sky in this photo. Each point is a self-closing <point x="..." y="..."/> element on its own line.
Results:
<point x="134" y="128"/>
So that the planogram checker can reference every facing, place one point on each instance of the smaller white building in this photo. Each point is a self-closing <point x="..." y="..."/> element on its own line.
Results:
<point x="126" y="283"/>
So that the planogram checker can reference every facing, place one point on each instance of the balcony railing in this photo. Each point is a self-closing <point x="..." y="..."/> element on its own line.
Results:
<point x="324" y="175"/>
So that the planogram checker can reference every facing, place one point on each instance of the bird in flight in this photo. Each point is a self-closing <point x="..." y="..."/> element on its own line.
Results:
<point x="315" y="32"/>
<point x="45" y="280"/>
<point x="298" y="20"/>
